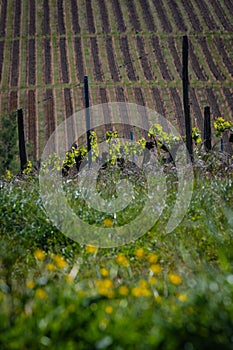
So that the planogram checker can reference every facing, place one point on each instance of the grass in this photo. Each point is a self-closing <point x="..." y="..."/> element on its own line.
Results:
<point x="161" y="291"/>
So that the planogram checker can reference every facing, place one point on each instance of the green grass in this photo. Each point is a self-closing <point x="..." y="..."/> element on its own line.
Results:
<point x="162" y="291"/>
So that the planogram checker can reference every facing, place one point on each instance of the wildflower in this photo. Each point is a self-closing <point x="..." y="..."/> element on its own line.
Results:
<point x="152" y="258"/>
<point x="108" y="222"/>
<point x="140" y="253"/>
<point x="175" y="279"/>
<point x="91" y="249"/>
<point x="59" y="261"/>
<point x="122" y="260"/>
<point x="109" y="309"/>
<point x="39" y="254"/>
<point x="104" y="272"/>
<point x="105" y="287"/>
<point x="123" y="290"/>
<point x="68" y="278"/>
<point x="31" y="284"/>
<point x="158" y="298"/>
<point x="156" y="268"/>
<point x="182" y="297"/>
<point x="141" y="289"/>
<point x="152" y="280"/>
<point x="40" y="293"/>
<point x="50" y="267"/>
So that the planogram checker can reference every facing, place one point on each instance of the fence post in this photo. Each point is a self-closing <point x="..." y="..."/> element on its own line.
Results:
<point x="132" y="139"/>
<point x="21" y="136"/>
<point x="185" y="80"/>
<point x="88" y="119"/>
<point x="207" y="129"/>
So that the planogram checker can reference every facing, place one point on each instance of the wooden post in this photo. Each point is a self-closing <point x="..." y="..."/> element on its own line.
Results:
<point x="185" y="79"/>
<point x="207" y="129"/>
<point x="22" y="146"/>
<point x="88" y="119"/>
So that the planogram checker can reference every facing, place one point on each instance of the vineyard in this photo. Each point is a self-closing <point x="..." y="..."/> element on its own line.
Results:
<point x="130" y="50"/>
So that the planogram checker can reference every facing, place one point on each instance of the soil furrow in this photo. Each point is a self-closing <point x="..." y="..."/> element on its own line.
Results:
<point x="3" y="18"/>
<point x="14" y="74"/>
<point x="196" y="108"/>
<point x="144" y="59"/>
<point x="178" y="109"/>
<point x="175" y="55"/>
<point x="96" y="60"/>
<point x="31" y="68"/>
<point x="104" y="16"/>
<point x="17" y="18"/>
<point x="212" y="100"/>
<point x="49" y="118"/>
<point x="192" y="16"/>
<point x="112" y="60"/>
<point x="213" y="67"/>
<point x="177" y="16"/>
<point x="162" y="16"/>
<point x="32" y="18"/>
<point x="206" y="15"/>
<point x="119" y="16"/>
<point x="133" y="16"/>
<point x="75" y="20"/>
<point x="60" y="18"/>
<point x="148" y="17"/>
<point x="79" y="58"/>
<point x="128" y="62"/>
<point x="198" y="70"/>
<point x="221" y="16"/>
<point x="90" y="18"/>
<point x="63" y="60"/>
<point x="2" y="47"/>
<point x="224" y="54"/>
<point x="166" y="74"/>
<point x="46" y="18"/>
<point x="47" y="61"/>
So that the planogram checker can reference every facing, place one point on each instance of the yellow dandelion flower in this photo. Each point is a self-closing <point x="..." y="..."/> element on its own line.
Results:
<point x="143" y="283"/>
<point x="152" y="258"/>
<point x="152" y="280"/>
<point x="140" y="253"/>
<point x="39" y="254"/>
<point x="50" y="267"/>
<point x="123" y="290"/>
<point x="109" y="309"/>
<point x="59" y="261"/>
<point x="155" y="268"/>
<point x="40" y="293"/>
<point x="182" y="297"/>
<point x="31" y="284"/>
<point x="104" y="272"/>
<point x="68" y="278"/>
<point x="175" y="279"/>
<point x="145" y="292"/>
<point x="137" y="291"/>
<point x="122" y="260"/>
<point x="91" y="249"/>
<point x="108" y="222"/>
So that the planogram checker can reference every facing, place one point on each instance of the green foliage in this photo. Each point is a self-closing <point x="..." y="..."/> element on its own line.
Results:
<point x="161" y="137"/>
<point x="9" y="159"/>
<point x="221" y="125"/>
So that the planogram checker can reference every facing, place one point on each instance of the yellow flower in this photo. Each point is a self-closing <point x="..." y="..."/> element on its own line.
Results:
<point x="140" y="253"/>
<point x="141" y="290"/>
<point x="104" y="272"/>
<point x="40" y="293"/>
<point x="182" y="297"/>
<point x="152" y="280"/>
<point x="109" y="309"/>
<point x="68" y="278"/>
<point x="136" y="291"/>
<point x="59" y="261"/>
<point x="91" y="249"/>
<point x="31" y="284"/>
<point x="108" y="222"/>
<point x="155" y="268"/>
<point x="122" y="260"/>
<point x="105" y="287"/>
<point x="152" y="258"/>
<point x="50" y="267"/>
<point x="123" y="290"/>
<point x="158" y="298"/>
<point x="175" y="279"/>
<point x="143" y="283"/>
<point x="39" y="254"/>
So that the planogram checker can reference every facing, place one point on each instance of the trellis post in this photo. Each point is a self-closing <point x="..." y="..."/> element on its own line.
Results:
<point x="21" y="136"/>
<point x="207" y="129"/>
<point x="88" y="119"/>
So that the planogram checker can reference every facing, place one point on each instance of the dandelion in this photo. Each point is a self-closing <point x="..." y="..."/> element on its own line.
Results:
<point x="109" y="310"/>
<point x="123" y="290"/>
<point x="68" y="278"/>
<point x="39" y="254"/>
<point x="152" y="258"/>
<point x="182" y="297"/>
<point x="50" y="267"/>
<point x="40" y="293"/>
<point x="175" y="279"/>
<point x="140" y="253"/>
<point x="122" y="260"/>
<point x="59" y="261"/>
<point x="108" y="222"/>
<point x="152" y="280"/>
<point x="31" y="284"/>
<point x="156" y="268"/>
<point x="104" y="272"/>
<point x="91" y="249"/>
